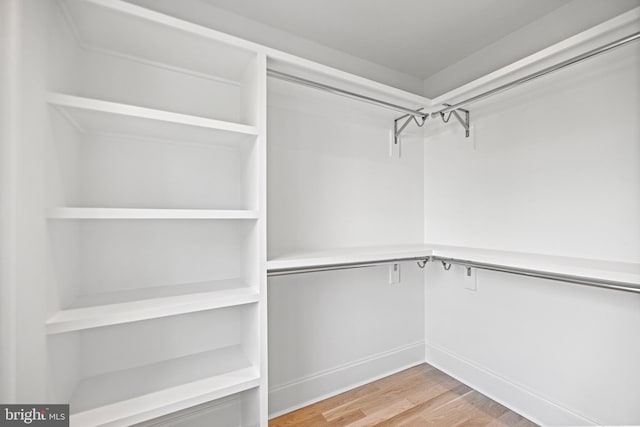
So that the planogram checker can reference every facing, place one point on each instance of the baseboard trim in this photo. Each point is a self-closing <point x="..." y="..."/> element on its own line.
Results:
<point x="305" y="391"/>
<point x="514" y="396"/>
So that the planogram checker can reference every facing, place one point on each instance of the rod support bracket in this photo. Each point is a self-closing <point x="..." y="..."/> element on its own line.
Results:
<point x="406" y="119"/>
<point x="465" y="122"/>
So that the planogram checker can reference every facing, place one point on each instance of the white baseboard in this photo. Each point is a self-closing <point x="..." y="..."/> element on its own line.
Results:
<point x="514" y="396"/>
<point x="296" y="394"/>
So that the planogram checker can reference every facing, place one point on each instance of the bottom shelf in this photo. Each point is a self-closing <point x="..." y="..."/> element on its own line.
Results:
<point x="138" y="394"/>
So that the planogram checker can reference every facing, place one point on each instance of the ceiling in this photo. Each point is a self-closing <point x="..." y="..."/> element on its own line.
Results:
<point x="416" y="37"/>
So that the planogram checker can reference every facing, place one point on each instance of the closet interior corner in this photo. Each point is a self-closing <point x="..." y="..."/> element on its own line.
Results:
<point x="212" y="231"/>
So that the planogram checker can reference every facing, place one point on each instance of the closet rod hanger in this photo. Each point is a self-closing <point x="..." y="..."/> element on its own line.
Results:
<point x="576" y="59"/>
<point x="310" y="83"/>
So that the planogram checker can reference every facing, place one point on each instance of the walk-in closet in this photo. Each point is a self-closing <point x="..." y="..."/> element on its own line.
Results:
<point x="320" y="213"/>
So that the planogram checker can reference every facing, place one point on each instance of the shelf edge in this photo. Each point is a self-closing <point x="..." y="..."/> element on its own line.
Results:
<point x="61" y="100"/>
<point x="78" y="319"/>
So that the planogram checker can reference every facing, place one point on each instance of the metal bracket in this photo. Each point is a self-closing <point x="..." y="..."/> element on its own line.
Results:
<point x="466" y="122"/>
<point x="397" y="130"/>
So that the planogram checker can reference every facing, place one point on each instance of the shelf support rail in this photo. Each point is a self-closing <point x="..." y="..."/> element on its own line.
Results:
<point x="579" y="280"/>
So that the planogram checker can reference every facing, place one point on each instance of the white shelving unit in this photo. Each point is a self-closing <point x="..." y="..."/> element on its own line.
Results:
<point x="156" y="217"/>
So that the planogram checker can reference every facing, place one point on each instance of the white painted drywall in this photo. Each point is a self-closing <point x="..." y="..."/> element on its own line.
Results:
<point x="331" y="183"/>
<point x="553" y="168"/>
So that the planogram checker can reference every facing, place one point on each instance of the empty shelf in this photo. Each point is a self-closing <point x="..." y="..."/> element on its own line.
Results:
<point x="113" y="308"/>
<point x="158" y="38"/>
<point x="115" y="213"/>
<point x="138" y="394"/>
<point x="93" y="115"/>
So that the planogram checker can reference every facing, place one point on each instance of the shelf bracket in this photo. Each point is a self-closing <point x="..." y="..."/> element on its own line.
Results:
<point x="397" y="129"/>
<point x="466" y="122"/>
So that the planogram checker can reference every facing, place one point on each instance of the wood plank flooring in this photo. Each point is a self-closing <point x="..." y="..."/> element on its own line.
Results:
<point x="420" y="396"/>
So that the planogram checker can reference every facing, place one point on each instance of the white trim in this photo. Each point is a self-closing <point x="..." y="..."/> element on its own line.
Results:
<point x="517" y="397"/>
<point x="8" y="198"/>
<point x="313" y="388"/>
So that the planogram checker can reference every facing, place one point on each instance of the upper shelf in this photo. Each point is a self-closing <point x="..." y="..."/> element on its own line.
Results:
<point x="288" y="260"/>
<point x="110" y="117"/>
<point x="130" y="30"/>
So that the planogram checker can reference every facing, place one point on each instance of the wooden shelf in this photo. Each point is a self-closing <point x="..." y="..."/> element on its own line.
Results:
<point x="325" y="257"/>
<point x="115" y="213"/>
<point x="138" y="394"/>
<point x="93" y="115"/>
<point x="92" y="311"/>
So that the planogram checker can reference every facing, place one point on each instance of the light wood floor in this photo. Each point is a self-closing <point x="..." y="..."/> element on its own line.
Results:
<point x="420" y="396"/>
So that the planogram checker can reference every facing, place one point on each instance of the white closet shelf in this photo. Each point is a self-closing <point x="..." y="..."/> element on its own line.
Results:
<point x="124" y="213"/>
<point x="583" y="267"/>
<point x="112" y="308"/>
<point x="157" y="38"/>
<point x="326" y="257"/>
<point x="142" y="393"/>
<point x="95" y="115"/>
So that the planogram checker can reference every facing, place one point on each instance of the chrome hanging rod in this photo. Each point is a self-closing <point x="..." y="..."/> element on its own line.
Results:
<point x="321" y="86"/>
<point x="341" y="266"/>
<point x="576" y="59"/>
<point x="579" y="280"/>
<point x="447" y="262"/>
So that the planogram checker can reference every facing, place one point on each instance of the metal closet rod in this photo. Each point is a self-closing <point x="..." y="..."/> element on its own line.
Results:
<point x="567" y="278"/>
<point x="332" y="89"/>
<point x="417" y="113"/>
<point x="341" y="266"/>
<point x="543" y="72"/>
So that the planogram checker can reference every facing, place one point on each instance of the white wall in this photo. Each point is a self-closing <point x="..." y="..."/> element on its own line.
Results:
<point x="554" y="168"/>
<point x="331" y="183"/>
